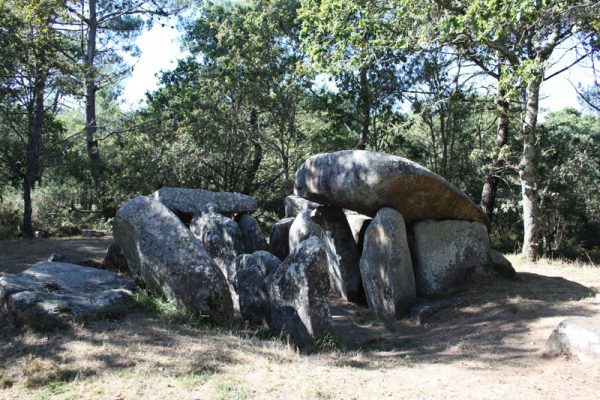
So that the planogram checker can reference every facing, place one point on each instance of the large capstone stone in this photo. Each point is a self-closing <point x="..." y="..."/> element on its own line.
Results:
<point x="252" y="235"/>
<point x="222" y="240"/>
<point x="330" y="225"/>
<point x="192" y="201"/>
<point x="386" y="266"/>
<point x="298" y="295"/>
<point x="279" y="238"/>
<point x="51" y="293"/>
<point x="295" y="204"/>
<point x="447" y="254"/>
<point x="170" y="260"/>
<point x="365" y="181"/>
<point x="578" y="338"/>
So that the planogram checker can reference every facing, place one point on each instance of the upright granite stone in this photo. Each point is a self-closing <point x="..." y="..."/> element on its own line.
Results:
<point x="170" y="260"/>
<point x="192" y="201"/>
<point x="251" y="288"/>
<point x="330" y="225"/>
<point x="386" y="266"/>
<point x="298" y="295"/>
<point x="252" y="234"/>
<point x="114" y="259"/>
<point x="365" y="181"/>
<point x="576" y="337"/>
<point x="267" y="262"/>
<point x="447" y="254"/>
<point x="52" y="293"/>
<point x="222" y="240"/>
<point x="295" y="204"/>
<point x="501" y="265"/>
<point x="279" y="238"/>
<point x="358" y="225"/>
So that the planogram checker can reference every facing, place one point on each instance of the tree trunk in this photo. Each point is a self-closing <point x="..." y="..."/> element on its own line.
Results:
<point x="34" y="146"/>
<point x="527" y="172"/>
<point x="365" y="103"/>
<point x="91" y="123"/>
<point x="490" y="187"/>
<point x="256" y="156"/>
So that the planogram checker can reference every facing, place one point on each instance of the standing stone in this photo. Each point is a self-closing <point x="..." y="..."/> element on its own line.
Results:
<point x="251" y="289"/>
<point x="295" y="204"/>
<point x="279" y="238"/>
<point x="447" y="254"/>
<point x="222" y="240"/>
<point x="170" y="260"/>
<point x="193" y="201"/>
<point x="266" y="261"/>
<point x="365" y="181"/>
<point x="252" y="234"/>
<point x="358" y="225"/>
<point x="114" y="259"/>
<point x="386" y="266"/>
<point x="501" y="265"/>
<point x="298" y="295"/>
<point x="576" y="337"/>
<point x="330" y="225"/>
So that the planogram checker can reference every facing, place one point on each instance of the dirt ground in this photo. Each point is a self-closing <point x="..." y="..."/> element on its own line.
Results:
<point x="490" y="347"/>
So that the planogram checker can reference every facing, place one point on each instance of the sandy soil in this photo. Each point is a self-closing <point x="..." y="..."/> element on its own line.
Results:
<point x="490" y="347"/>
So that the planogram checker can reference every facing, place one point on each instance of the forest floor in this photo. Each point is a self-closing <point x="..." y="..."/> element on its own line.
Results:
<point x="490" y="347"/>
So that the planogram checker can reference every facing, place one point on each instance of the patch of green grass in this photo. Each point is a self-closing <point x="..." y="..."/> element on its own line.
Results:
<point x="228" y="391"/>
<point x="330" y="343"/>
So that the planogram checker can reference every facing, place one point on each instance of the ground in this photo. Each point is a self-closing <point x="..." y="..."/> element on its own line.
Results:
<point x="490" y="347"/>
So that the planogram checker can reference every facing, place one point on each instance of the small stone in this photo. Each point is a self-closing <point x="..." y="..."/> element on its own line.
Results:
<point x="576" y="337"/>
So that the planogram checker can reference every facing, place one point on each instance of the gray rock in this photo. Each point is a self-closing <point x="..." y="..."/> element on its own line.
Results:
<point x="279" y="238"/>
<point x="266" y="261"/>
<point x="447" y="254"/>
<point x="501" y="265"/>
<point x="358" y="225"/>
<point x="422" y="311"/>
<point x="330" y="225"/>
<point x="114" y="259"/>
<point x="192" y="201"/>
<point x="252" y="235"/>
<point x="298" y="295"/>
<point x="222" y="240"/>
<point x="365" y="181"/>
<point x="576" y="337"/>
<point x="295" y="204"/>
<point x="386" y="266"/>
<point x="251" y="289"/>
<point x="170" y="260"/>
<point x="52" y="293"/>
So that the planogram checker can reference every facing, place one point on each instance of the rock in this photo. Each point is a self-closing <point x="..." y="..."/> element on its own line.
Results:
<point x="279" y="238"/>
<point x="251" y="289"/>
<point x="170" y="260"/>
<point x="386" y="266"/>
<point x="501" y="265"/>
<point x="365" y="181"/>
<point x="192" y="201"/>
<point x="69" y="259"/>
<point x="252" y="234"/>
<point x="298" y="295"/>
<point x="114" y="259"/>
<point x="330" y="225"/>
<point x="52" y="293"/>
<point x="422" y="311"/>
<point x="358" y="225"/>
<point x="576" y="337"/>
<point x="295" y="204"/>
<point x="447" y="254"/>
<point x="222" y="240"/>
<point x="92" y="233"/>
<point x="267" y="262"/>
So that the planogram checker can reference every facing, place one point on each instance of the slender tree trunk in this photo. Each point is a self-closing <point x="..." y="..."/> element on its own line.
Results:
<point x="91" y="123"/>
<point x="365" y="103"/>
<point x="256" y="156"/>
<point x="527" y="172"/>
<point x="490" y="187"/>
<point x="34" y="146"/>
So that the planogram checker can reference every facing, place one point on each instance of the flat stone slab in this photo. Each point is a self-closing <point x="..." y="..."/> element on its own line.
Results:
<point x="365" y="181"/>
<point x="191" y="201"/>
<point x="54" y="292"/>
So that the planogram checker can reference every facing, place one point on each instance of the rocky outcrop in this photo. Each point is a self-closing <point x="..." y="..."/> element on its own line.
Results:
<point x="386" y="266"/>
<point x="192" y="201"/>
<point x="52" y="293"/>
<point x="298" y="295"/>
<point x="279" y="238"/>
<point x="447" y="254"/>
<point x="365" y="181"/>
<point x="578" y="338"/>
<point x="170" y="260"/>
<point x="295" y="204"/>
<point x="252" y="235"/>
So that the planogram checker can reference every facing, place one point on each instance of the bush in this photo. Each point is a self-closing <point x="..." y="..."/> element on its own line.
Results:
<point x="10" y="218"/>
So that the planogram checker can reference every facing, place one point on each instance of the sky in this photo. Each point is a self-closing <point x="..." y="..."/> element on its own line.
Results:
<point x="160" y="51"/>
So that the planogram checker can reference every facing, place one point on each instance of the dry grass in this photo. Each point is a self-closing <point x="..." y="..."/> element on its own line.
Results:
<point x="491" y="347"/>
